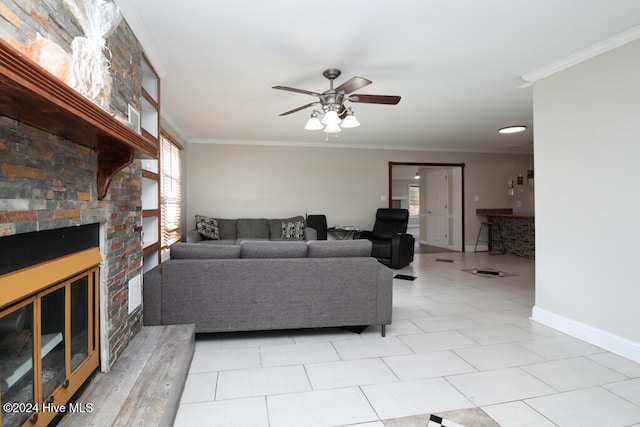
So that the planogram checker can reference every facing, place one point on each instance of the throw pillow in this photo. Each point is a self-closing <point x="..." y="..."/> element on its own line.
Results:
<point x="208" y="227"/>
<point x="293" y="230"/>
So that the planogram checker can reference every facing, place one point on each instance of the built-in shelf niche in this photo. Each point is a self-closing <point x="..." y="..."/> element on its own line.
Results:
<point x="150" y="212"/>
<point x="150" y="126"/>
<point x="149" y="118"/>
<point x="150" y="81"/>
<point x="149" y="194"/>
<point x="149" y="262"/>
<point x="150" y="101"/>
<point x="150" y="226"/>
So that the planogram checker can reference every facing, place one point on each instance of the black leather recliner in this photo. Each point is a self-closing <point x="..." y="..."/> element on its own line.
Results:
<point x="392" y="246"/>
<point x="319" y="223"/>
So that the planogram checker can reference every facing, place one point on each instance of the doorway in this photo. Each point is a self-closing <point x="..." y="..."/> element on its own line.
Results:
<point x="434" y="195"/>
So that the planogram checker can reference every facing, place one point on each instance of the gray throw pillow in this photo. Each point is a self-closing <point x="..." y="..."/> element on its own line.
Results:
<point x="208" y="227"/>
<point x="293" y="230"/>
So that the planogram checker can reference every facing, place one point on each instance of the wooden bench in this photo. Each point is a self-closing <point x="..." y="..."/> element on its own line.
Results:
<point x="145" y="384"/>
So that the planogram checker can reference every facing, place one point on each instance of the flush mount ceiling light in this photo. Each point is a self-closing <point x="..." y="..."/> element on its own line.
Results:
<point x="512" y="129"/>
<point x="334" y="114"/>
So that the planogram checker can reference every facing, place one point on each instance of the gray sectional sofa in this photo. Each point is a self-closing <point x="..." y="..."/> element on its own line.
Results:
<point x="262" y="285"/>
<point x="235" y="231"/>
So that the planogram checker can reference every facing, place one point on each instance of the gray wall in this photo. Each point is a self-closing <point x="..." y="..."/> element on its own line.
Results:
<point x="346" y="184"/>
<point x="587" y="229"/>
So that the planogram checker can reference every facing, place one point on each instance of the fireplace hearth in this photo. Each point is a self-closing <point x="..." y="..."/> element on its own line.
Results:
<point x="48" y="321"/>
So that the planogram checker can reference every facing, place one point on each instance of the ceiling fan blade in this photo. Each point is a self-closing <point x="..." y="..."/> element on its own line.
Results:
<point x="298" y="109"/>
<point x="293" y="89"/>
<point x="353" y="84"/>
<point x="375" y="99"/>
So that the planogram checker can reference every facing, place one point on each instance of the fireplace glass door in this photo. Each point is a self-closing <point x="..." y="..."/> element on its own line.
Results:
<point x="16" y="362"/>
<point x="80" y="308"/>
<point x="52" y="340"/>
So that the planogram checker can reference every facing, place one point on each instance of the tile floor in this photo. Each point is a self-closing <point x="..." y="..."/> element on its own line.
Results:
<point x="457" y="341"/>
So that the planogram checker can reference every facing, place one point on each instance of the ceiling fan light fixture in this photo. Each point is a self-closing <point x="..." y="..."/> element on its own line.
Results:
<point x="512" y="129"/>
<point x="332" y="103"/>
<point x="313" y="123"/>
<point x="332" y="128"/>
<point x="350" y="121"/>
<point x="331" y="118"/>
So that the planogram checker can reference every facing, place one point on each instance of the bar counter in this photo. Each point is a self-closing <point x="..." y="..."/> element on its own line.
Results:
<point x="518" y="230"/>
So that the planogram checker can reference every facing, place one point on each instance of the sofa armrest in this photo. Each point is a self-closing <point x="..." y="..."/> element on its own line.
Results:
<point x="193" y="236"/>
<point x="364" y="234"/>
<point x="385" y="294"/>
<point x="310" y="233"/>
<point x="402" y="250"/>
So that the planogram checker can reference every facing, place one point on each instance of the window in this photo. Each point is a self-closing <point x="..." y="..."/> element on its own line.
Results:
<point x="170" y="190"/>
<point x="414" y="200"/>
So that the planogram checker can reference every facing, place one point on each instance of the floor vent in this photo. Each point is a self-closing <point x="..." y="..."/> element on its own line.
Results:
<point x="404" y="277"/>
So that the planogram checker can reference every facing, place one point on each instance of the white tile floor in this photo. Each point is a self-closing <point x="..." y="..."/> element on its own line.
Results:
<point x="457" y="341"/>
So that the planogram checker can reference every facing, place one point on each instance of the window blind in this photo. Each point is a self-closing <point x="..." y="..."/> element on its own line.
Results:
<point x="170" y="190"/>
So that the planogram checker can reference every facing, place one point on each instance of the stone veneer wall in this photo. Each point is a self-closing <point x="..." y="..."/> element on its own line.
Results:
<point x="518" y="234"/>
<point x="47" y="182"/>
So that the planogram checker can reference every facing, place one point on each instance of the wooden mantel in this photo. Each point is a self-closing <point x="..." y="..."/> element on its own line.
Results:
<point x="30" y="94"/>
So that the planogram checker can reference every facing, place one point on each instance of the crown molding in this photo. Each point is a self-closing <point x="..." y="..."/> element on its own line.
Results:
<point x="584" y="54"/>
<point x="341" y="144"/>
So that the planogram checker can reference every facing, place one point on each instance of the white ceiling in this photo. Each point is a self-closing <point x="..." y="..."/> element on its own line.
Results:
<point x="456" y="63"/>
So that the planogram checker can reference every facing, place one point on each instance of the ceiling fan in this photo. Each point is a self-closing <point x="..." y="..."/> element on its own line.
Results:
<point x="332" y="102"/>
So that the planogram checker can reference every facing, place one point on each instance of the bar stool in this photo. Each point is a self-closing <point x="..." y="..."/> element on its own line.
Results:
<point x="490" y="240"/>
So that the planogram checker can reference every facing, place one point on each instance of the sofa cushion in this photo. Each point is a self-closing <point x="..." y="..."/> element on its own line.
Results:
<point x="203" y="251"/>
<point x="293" y="230"/>
<point x="207" y="227"/>
<point x="338" y="248"/>
<point x="227" y="229"/>
<point x="273" y="249"/>
<point x="275" y="226"/>
<point x="253" y="228"/>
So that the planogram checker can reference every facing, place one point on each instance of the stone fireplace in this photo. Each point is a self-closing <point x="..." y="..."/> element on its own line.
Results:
<point x="66" y="164"/>
<point x="49" y="183"/>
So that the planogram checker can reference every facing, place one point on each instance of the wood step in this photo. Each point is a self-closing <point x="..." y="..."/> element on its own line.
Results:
<point x="145" y="384"/>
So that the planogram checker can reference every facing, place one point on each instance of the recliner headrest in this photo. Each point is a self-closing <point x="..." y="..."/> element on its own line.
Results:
<point x="392" y="214"/>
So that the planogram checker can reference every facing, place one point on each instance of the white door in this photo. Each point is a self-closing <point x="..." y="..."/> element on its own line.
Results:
<point x="438" y="208"/>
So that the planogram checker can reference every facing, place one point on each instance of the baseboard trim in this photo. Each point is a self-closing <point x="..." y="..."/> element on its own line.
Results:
<point x="603" y="339"/>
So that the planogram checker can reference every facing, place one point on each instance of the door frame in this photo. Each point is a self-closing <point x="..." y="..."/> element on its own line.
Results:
<point x="437" y="165"/>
